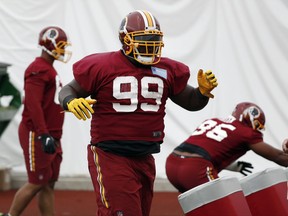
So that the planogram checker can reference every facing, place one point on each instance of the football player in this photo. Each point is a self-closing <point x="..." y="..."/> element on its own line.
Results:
<point x="131" y="87"/>
<point x="217" y="143"/>
<point x="40" y="130"/>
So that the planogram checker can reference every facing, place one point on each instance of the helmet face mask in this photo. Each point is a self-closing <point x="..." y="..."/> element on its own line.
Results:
<point x="141" y="37"/>
<point x="54" y="41"/>
<point x="250" y="114"/>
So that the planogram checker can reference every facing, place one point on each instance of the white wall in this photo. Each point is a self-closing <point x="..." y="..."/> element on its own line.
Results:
<point x="243" y="42"/>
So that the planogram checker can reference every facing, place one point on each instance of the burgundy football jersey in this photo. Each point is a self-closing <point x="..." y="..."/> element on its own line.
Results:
<point x="130" y="100"/>
<point x="42" y="111"/>
<point x="224" y="139"/>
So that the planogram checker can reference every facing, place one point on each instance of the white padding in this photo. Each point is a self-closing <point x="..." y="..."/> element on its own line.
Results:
<point x="208" y="192"/>
<point x="264" y="179"/>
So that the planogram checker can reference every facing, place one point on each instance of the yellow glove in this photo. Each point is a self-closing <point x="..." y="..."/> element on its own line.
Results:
<point x="207" y="82"/>
<point x="80" y="107"/>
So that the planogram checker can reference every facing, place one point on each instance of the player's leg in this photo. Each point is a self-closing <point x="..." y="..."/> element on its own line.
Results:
<point x="146" y="171"/>
<point x="46" y="195"/>
<point x="23" y="197"/>
<point x="46" y="200"/>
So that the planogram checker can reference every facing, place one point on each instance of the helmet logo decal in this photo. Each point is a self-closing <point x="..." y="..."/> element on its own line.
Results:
<point x="254" y="112"/>
<point x="50" y="34"/>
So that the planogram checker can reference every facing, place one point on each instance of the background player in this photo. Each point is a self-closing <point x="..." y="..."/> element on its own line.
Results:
<point x="131" y="87"/>
<point x="217" y="143"/>
<point x="40" y="130"/>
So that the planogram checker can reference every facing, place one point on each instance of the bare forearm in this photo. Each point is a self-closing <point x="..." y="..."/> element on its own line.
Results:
<point x="65" y="95"/>
<point x="270" y="153"/>
<point x="70" y="91"/>
<point x="282" y="159"/>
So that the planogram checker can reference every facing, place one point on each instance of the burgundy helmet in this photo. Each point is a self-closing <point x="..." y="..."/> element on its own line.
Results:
<point x="250" y="114"/>
<point x="141" y="37"/>
<point x="54" y="41"/>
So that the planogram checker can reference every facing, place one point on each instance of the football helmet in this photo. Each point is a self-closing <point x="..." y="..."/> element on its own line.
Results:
<point x="250" y="114"/>
<point x="54" y="41"/>
<point x="141" y="37"/>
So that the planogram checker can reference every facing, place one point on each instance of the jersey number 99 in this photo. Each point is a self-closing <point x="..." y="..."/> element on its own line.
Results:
<point x="133" y="93"/>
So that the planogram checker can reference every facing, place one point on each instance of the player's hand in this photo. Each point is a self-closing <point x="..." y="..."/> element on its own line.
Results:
<point x="48" y="143"/>
<point x="81" y="108"/>
<point x="207" y="82"/>
<point x="285" y="146"/>
<point x="244" y="167"/>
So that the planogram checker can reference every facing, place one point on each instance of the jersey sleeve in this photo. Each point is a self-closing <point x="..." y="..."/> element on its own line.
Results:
<point x="84" y="72"/>
<point x="255" y="137"/>
<point x="181" y="76"/>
